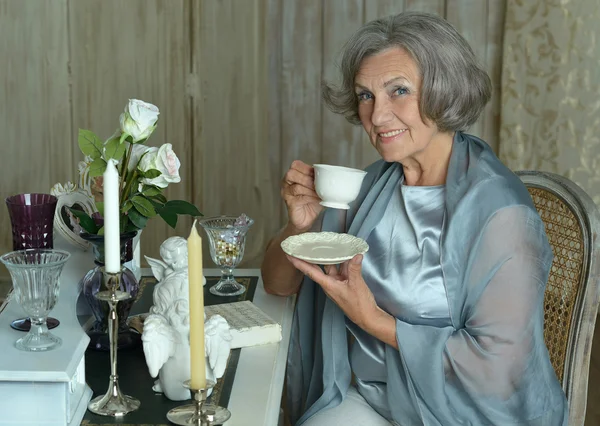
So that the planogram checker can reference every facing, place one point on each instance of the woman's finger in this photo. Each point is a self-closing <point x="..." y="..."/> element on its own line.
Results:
<point x="302" y="167"/>
<point x="331" y="270"/>
<point x="344" y="268"/>
<point x="294" y="176"/>
<point x="313" y="272"/>
<point x="296" y="190"/>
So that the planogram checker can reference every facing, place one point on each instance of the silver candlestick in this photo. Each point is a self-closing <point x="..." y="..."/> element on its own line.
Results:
<point x="199" y="413"/>
<point x="113" y="403"/>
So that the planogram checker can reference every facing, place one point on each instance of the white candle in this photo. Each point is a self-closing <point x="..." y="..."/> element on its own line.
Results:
<point x="112" y="246"/>
<point x="196" y="291"/>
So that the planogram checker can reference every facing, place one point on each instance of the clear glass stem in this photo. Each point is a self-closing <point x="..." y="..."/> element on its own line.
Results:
<point x="227" y="285"/>
<point x="227" y="275"/>
<point x="39" y="327"/>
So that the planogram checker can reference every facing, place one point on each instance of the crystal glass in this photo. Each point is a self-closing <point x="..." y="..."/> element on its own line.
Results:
<point x="35" y="274"/>
<point x="32" y="220"/>
<point x="32" y="223"/>
<point x="227" y="240"/>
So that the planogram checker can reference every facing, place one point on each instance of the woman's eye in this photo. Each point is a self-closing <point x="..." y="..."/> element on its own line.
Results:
<point x="401" y="91"/>
<point x="364" y="96"/>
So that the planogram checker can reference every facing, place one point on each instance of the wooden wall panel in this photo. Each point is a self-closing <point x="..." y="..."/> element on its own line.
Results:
<point x="134" y="49"/>
<point x="238" y="85"/>
<point x="35" y="117"/>
<point x="341" y="141"/>
<point x="301" y="75"/>
<point x="432" y="6"/>
<point x="274" y="36"/>
<point x="380" y="8"/>
<point x="231" y="144"/>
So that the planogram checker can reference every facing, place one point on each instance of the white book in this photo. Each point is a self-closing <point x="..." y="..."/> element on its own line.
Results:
<point x="250" y="326"/>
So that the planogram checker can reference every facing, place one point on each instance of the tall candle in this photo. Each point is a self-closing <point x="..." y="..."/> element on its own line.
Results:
<point x="112" y="246"/>
<point x="197" y="354"/>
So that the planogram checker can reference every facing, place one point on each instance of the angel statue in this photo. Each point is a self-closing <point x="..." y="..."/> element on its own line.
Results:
<point x="165" y="335"/>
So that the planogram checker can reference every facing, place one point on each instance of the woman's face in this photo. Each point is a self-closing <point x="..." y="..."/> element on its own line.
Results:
<point x="387" y="86"/>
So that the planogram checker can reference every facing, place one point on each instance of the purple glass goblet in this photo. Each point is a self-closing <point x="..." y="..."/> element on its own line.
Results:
<point x="32" y="222"/>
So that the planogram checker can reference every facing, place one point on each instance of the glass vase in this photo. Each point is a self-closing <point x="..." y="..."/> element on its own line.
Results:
<point x="93" y="282"/>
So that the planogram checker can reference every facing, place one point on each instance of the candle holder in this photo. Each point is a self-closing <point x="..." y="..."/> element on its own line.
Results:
<point x="113" y="403"/>
<point x="199" y="413"/>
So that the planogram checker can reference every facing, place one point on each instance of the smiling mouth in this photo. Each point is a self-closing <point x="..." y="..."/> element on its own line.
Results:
<point x="392" y="133"/>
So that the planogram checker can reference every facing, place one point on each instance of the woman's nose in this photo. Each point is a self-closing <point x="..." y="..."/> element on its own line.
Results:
<point x="382" y="112"/>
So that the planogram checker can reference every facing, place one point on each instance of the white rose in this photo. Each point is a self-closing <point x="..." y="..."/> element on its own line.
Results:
<point x="136" y="153"/>
<point x="165" y="161"/>
<point x="139" y="119"/>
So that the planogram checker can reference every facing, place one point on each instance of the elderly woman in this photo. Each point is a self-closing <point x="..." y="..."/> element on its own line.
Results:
<point x="445" y="309"/>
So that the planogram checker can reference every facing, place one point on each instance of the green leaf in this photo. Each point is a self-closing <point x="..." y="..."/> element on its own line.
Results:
<point x="169" y="217"/>
<point x="137" y="219"/>
<point x="90" y="144"/>
<point x="85" y="221"/>
<point x="182" y="207"/>
<point x="159" y="198"/>
<point x="114" y="149"/>
<point x="143" y="206"/>
<point x="128" y="205"/>
<point x="100" y="207"/>
<point x="151" y="174"/>
<point x="157" y="206"/>
<point x="101" y="231"/>
<point x="123" y="222"/>
<point x="123" y="137"/>
<point x="130" y="227"/>
<point x="151" y="191"/>
<point x="97" y="167"/>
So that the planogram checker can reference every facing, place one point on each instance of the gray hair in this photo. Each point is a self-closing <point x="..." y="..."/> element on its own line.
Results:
<point x="454" y="87"/>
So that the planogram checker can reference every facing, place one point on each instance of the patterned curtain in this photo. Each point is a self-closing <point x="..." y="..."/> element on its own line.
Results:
<point x="550" y="118"/>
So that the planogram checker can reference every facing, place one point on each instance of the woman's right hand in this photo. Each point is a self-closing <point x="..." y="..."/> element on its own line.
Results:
<point x="301" y="200"/>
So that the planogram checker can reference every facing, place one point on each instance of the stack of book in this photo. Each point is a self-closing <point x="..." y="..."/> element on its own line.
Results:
<point x="250" y="326"/>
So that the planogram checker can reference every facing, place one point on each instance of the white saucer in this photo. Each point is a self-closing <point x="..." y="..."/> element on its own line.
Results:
<point x="334" y="205"/>
<point x="324" y="248"/>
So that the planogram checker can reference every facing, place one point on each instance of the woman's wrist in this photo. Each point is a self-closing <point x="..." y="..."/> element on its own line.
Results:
<point x="381" y="325"/>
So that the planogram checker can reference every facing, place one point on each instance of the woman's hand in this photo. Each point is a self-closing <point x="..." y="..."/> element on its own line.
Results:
<point x="350" y="292"/>
<point x="301" y="200"/>
<point x="345" y="287"/>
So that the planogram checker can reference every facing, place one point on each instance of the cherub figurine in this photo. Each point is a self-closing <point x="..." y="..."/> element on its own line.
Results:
<point x="166" y="330"/>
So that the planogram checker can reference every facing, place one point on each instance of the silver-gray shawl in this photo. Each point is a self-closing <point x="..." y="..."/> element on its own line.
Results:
<point x="491" y="367"/>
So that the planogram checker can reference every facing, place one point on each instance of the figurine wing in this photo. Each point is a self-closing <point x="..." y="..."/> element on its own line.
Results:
<point x="158" y="339"/>
<point x="158" y="267"/>
<point x="217" y="343"/>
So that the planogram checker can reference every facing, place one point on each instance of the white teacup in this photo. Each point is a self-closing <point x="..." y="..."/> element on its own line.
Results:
<point x="337" y="186"/>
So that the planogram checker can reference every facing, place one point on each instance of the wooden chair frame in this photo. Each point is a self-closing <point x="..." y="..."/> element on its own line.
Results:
<point x="581" y="329"/>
